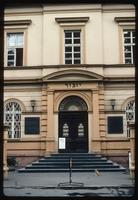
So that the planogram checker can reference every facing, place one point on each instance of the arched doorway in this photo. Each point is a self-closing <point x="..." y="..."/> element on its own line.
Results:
<point x="73" y="125"/>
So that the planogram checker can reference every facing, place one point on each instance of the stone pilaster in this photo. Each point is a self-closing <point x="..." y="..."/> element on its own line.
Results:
<point x="43" y="120"/>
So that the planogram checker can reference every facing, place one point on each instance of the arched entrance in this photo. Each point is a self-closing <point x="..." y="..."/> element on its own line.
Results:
<point x="73" y="125"/>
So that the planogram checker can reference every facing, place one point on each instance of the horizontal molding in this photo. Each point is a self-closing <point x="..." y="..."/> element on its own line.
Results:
<point x="17" y="22"/>
<point x="72" y="19"/>
<point x="67" y="66"/>
<point x="124" y="19"/>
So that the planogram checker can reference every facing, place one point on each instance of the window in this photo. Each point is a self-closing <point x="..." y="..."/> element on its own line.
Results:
<point x="72" y="47"/>
<point x="15" y="43"/>
<point x="12" y="118"/>
<point x="130" y="114"/>
<point x="129" y="46"/>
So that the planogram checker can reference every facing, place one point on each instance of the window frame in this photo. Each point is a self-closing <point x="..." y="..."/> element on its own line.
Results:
<point x="72" y="45"/>
<point x="82" y="42"/>
<point x="15" y="30"/>
<point x="130" y="44"/>
<point x="121" y="40"/>
<point x="19" y="112"/>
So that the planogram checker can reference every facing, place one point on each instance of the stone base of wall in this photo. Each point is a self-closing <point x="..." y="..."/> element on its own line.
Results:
<point x="122" y="160"/>
<point x="25" y="160"/>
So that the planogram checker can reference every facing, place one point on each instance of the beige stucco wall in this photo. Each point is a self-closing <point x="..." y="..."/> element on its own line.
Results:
<point x="43" y="42"/>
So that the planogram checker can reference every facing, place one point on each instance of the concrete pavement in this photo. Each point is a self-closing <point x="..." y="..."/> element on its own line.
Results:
<point x="47" y="184"/>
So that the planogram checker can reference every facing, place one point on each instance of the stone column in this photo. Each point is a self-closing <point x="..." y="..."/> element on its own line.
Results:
<point x="132" y="148"/>
<point x="5" y="137"/>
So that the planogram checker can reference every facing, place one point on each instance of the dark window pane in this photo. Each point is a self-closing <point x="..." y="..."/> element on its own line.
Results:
<point x="68" y="61"/>
<point x="76" y="34"/>
<point x="127" y="48"/>
<point x="19" y="56"/>
<point x="76" y="41"/>
<point x="127" y="61"/>
<point x="133" y="33"/>
<point x="68" y="55"/>
<point x="76" y="49"/>
<point x="68" y="41"/>
<point x="115" y="125"/>
<point x="68" y="34"/>
<point x="68" y="49"/>
<point x="127" y="33"/>
<point x="127" y="40"/>
<point x="10" y="51"/>
<point x="10" y="63"/>
<point x="134" y="54"/>
<point x="32" y="125"/>
<point x="11" y="57"/>
<point x="77" y="61"/>
<point x="76" y="55"/>
<point x="128" y="55"/>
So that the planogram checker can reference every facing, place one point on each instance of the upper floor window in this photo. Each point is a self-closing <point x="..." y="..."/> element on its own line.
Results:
<point x="72" y="46"/>
<point x="129" y="46"/>
<point x="15" y="43"/>
<point x="72" y="49"/>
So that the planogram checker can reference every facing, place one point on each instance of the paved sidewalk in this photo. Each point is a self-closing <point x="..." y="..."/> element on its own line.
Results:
<point x="47" y="184"/>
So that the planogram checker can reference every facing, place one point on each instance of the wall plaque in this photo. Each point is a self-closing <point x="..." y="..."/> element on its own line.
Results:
<point x="62" y="143"/>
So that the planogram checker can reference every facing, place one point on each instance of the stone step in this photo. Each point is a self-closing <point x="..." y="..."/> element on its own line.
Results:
<point x="73" y="159"/>
<point x="80" y="163"/>
<point x="73" y="170"/>
<point x="75" y="163"/>
<point x="73" y="167"/>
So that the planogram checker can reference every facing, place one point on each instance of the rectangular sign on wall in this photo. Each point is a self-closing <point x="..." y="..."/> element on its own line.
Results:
<point x="32" y="125"/>
<point x="115" y="124"/>
<point x="62" y="143"/>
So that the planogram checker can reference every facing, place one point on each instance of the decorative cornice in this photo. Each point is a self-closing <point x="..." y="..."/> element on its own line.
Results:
<point x="72" y="19"/>
<point x="124" y="19"/>
<point x="17" y="22"/>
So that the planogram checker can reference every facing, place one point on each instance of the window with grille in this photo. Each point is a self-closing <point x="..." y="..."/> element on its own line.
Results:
<point x="129" y="46"/>
<point x="12" y="118"/>
<point x="72" y="46"/>
<point x="15" y="49"/>
<point x="130" y="114"/>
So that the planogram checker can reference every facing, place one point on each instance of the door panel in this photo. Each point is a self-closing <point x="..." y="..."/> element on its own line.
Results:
<point x="73" y="126"/>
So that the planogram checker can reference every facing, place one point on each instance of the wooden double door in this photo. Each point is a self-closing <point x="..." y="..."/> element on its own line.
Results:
<point x="73" y="130"/>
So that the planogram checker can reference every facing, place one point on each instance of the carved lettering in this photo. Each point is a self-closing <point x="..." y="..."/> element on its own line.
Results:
<point x="73" y="84"/>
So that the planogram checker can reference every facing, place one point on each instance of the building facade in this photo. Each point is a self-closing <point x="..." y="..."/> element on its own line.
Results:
<point x="69" y="79"/>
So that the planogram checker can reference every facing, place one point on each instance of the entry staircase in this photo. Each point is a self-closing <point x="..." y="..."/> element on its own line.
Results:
<point x="81" y="162"/>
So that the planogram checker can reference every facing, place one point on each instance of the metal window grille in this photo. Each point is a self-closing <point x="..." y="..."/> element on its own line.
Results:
<point x="14" y="49"/>
<point x="130" y="114"/>
<point x="72" y="47"/>
<point x="129" y="46"/>
<point x="12" y="118"/>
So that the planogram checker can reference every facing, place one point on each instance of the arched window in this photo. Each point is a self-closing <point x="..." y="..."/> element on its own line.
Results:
<point x="130" y="114"/>
<point x="12" y="117"/>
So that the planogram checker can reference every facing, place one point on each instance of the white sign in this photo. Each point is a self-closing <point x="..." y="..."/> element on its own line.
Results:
<point x="62" y="143"/>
